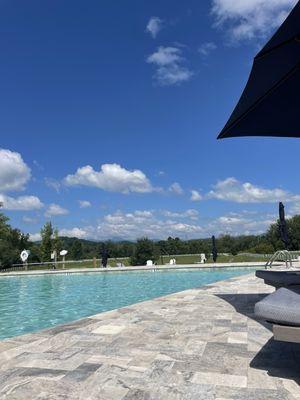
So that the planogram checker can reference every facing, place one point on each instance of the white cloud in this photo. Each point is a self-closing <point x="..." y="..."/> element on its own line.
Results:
<point x="295" y="209"/>
<point x="170" y="66"/>
<point x="14" y="173"/>
<point x="248" y="19"/>
<point x="196" y="196"/>
<point x="145" y="213"/>
<point x="35" y="237"/>
<point x="53" y="184"/>
<point x="165" y="56"/>
<point x="29" y="220"/>
<point x="191" y="214"/>
<point x="239" y="225"/>
<point x="233" y="190"/>
<point x="162" y="224"/>
<point x="137" y="217"/>
<point x="78" y="233"/>
<point x="130" y="226"/>
<point x="229" y="220"/>
<point x="38" y="165"/>
<point x="154" y="26"/>
<point x="206" y="48"/>
<point x="55" y="210"/>
<point x="84" y="203"/>
<point x="175" y="188"/>
<point x="111" y="177"/>
<point x="21" y="203"/>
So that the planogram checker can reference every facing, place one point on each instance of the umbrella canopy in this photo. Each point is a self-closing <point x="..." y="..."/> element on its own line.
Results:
<point x="270" y="103"/>
<point x="214" y="250"/>
<point x="282" y="226"/>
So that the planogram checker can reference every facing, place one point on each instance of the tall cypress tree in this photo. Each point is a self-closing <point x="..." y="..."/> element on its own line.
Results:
<point x="46" y="243"/>
<point x="56" y="242"/>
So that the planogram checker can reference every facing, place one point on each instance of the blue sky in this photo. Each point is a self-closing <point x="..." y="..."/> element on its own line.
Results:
<point x="110" y="113"/>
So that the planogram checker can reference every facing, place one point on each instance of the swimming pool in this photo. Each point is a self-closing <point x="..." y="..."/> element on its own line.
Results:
<point x="31" y="303"/>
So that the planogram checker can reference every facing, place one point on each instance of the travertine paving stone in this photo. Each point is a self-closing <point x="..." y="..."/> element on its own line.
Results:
<point x="198" y="344"/>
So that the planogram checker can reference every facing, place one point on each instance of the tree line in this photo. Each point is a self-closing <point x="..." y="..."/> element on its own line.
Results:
<point x="13" y="241"/>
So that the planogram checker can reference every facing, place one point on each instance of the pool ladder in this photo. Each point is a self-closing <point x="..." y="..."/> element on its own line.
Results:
<point x="282" y="255"/>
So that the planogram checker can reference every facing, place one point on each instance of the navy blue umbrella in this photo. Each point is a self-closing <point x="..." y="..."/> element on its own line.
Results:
<point x="214" y="250"/>
<point x="270" y="103"/>
<point x="283" y="226"/>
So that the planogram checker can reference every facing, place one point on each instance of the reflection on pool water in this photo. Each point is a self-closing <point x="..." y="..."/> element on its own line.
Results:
<point x="31" y="303"/>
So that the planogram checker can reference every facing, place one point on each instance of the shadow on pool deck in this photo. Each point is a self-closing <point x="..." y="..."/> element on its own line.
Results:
<point x="244" y="304"/>
<point x="279" y="359"/>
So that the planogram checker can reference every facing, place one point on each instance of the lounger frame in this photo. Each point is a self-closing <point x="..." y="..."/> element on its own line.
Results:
<point x="286" y="333"/>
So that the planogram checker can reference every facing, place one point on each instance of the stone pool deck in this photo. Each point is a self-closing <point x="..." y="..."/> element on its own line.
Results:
<point x="198" y="344"/>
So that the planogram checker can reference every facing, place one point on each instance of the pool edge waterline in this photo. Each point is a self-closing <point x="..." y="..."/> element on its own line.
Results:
<point x="138" y="268"/>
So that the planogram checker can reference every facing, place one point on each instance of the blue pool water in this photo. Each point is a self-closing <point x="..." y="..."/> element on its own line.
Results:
<point x="31" y="303"/>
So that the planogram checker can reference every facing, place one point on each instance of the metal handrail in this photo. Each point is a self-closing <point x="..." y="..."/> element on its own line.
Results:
<point x="282" y="255"/>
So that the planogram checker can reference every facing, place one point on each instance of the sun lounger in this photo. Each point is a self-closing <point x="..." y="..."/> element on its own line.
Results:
<point x="282" y="309"/>
<point x="279" y="278"/>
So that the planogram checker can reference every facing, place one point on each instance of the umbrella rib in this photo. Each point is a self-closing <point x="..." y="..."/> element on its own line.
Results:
<point x="291" y="72"/>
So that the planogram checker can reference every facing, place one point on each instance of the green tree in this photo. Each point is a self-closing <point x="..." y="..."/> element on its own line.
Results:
<point x="273" y="237"/>
<point x="294" y="232"/>
<point x="57" y="243"/>
<point x="144" y="250"/>
<point x="227" y="244"/>
<point x="12" y="242"/>
<point x="46" y="243"/>
<point x="76" y="252"/>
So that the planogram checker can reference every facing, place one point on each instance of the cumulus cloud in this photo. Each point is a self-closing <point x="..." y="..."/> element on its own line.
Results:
<point x="84" y="203"/>
<point x="231" y="221"/>
<point x="38" y="165"/>
<point x="35" y="237"/>
<point x="111" y="177"/>
<point x="21" y="203"/>
<point x="145" y="213"/>
<point x="55" y="210"/>
<point x="154" y="26"/>
<point x="14" y="173"/>
<point x="233" y="190"/>
<point x="295" y="209"/>
<point x="170" y="68"/>
<point x="132" y="225"/>
<point x="196" y="196"/>
<point x="79" y="233"/>
<point x="175" y="188"/>
<point x="191" y="214"/>
<point x="29" y="220"/>
<point x="239" y="224"/>
<point x="53" y="184"/>
<point x="162" y="224"/>
<point x="248" y="19"/>
<point x="206" y="48"/>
